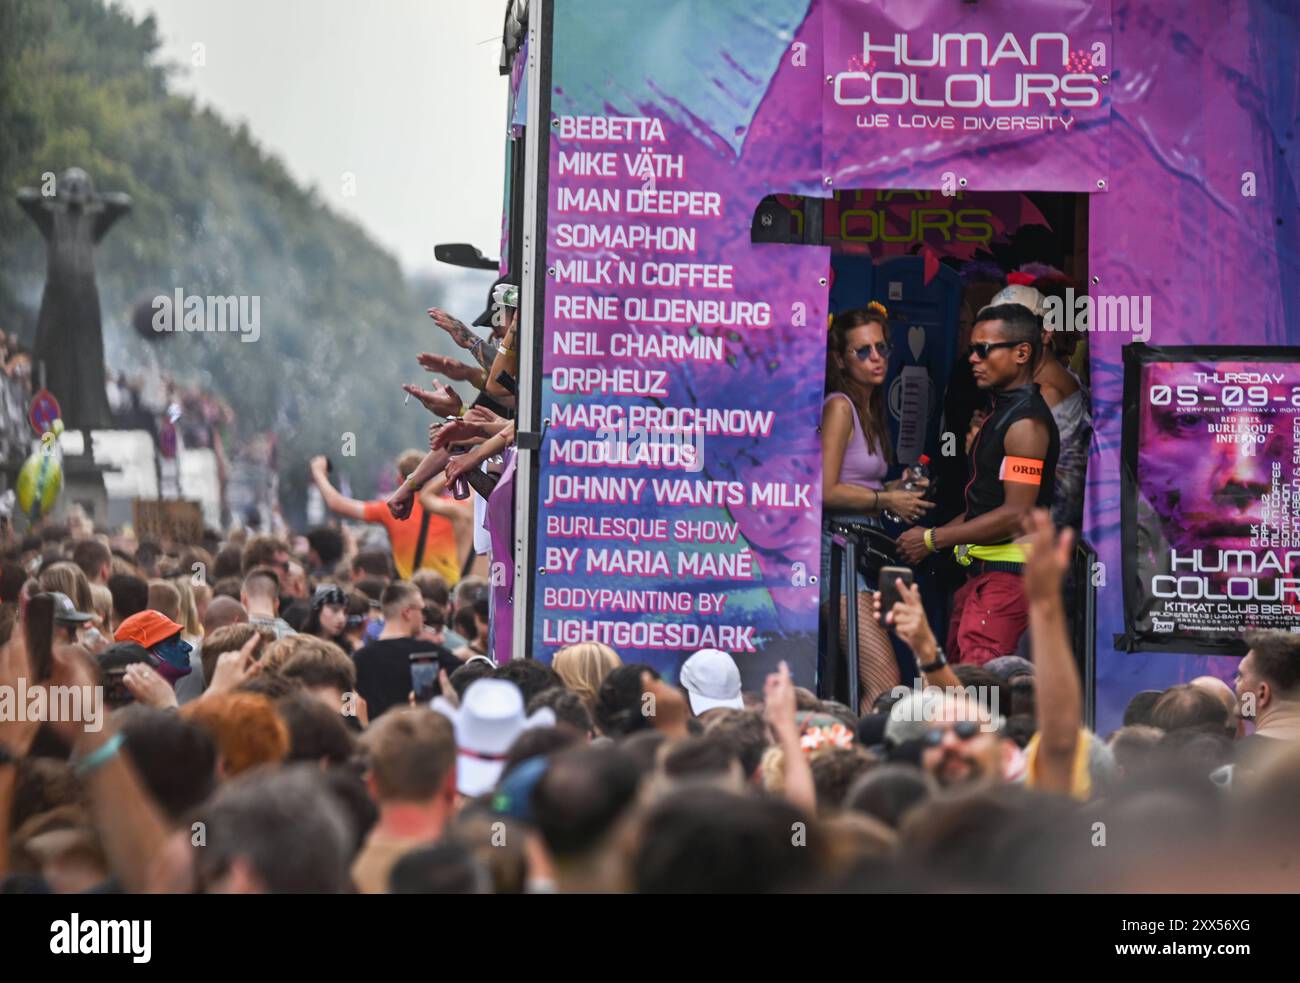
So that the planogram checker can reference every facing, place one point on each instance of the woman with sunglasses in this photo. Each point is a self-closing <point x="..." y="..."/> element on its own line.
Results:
<point x="329" y="616"/>
<point x="856" y="456"/>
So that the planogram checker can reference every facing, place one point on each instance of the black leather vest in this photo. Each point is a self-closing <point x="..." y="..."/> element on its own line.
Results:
<point x="984" y="491"/>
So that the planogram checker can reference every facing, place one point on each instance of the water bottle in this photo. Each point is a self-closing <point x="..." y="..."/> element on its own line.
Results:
<point x="920" y="472"/>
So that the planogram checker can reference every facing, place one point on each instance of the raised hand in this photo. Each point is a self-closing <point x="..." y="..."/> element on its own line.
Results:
<point x="401" y="501"/>
<point x="460" y="334"/>
<point x="670" y="710"/>
<point x="907" y="617"/>
<point x="449" y="367"/>
<point x="459" y="464"/>
<point x="148" y="687"/>
<point x="439" y="400"/>
<point x="234" y="667"/>
<point x="1047" y="556"/>
<point x="779" y="699"/>
<point x="487" y="421"/>
<point x="455" y="432"/>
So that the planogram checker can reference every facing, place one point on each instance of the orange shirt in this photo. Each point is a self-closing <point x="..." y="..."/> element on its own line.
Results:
<point x="440" y="552"/>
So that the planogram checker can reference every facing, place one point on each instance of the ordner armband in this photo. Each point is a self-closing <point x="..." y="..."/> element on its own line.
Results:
<point x="1025" y="470"/>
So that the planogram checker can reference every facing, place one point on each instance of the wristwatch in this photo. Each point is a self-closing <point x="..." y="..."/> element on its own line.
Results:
<point x="940" y="660"/>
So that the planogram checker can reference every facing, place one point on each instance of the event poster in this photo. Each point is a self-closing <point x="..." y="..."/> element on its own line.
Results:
<point x="1212" y="497"/>
<point x="957" y="95"/>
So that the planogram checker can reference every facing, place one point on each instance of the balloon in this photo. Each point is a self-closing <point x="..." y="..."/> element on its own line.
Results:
<point x="39" y="483"/>
<point x="41" y="477"/>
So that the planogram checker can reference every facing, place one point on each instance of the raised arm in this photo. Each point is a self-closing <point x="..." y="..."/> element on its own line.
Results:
<point x="37" y="208"/>
<point x="130" y="824"/>
<point x="506" y="360"/>
<point x="779" y="709"/>
<point x="402" y="499"/>
<point x="113" y="205"/>
<point x="1058" y="694"/>
<point x="335" y="500"/>
<point x="907" y="618"/>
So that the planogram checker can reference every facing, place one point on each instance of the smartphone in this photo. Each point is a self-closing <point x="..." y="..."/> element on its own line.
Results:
<point x="424" y="676"/>
<point x="889" y="596"/>
<point x="115" y="692"/>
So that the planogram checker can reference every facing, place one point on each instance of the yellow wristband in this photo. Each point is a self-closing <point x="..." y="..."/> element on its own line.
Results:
<point x="928" y="539"/>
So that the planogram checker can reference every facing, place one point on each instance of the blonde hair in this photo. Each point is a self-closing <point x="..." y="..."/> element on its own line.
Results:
<point x="189" y="610"/>
<point x="278" y="652"/>
<point x="67" y="578"/>
<point x="772" y="771"/>
<point x="583" y="667"/>
<point x="103" y="598"/>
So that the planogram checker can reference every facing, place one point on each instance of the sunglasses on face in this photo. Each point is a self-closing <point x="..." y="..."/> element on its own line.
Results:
<point x="881" y="348"/>
<point x="964" y="729"/>
<point x="981" y="349"/>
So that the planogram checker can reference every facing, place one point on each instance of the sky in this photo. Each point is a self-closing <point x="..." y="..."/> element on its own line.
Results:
<point x="396" y="101"/>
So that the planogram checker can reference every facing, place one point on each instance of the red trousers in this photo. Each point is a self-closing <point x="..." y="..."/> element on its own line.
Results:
<point x="989" y="614"/>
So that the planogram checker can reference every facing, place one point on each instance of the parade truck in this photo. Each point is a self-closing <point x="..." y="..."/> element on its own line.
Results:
<point x="694" y="187"/>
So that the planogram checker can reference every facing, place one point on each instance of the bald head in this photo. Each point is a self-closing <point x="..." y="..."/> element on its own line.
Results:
<point x="223" y="611"/>
<point x="1220" y="690"/>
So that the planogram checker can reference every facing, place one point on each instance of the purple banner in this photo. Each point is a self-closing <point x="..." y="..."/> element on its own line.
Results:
<point x="927" y="94"/>
<point x="679" y="492"/>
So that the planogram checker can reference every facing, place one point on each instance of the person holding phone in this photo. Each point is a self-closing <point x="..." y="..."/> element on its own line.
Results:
<point x="856" y="457"/>
<point x="384" y="677"/>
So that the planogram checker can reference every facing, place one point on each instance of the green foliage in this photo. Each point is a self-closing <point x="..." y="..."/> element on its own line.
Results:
<point x="212" y="214"/>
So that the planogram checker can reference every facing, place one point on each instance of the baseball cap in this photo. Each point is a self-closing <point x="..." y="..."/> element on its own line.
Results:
<point x="490" y="716"/>
<point x="65" y="610"/>
<point x="146" y="628"/>
<point x="1017" y="293"/>
<point x="484" y="320"/>
<point x="711" y="680"/>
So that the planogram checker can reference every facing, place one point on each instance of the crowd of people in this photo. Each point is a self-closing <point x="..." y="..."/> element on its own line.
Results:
<point x="261" y="732"/>
<point x="256" y="714"/>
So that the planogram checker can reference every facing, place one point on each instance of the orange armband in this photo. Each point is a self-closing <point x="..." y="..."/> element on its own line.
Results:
<point x="1025" y="470"/>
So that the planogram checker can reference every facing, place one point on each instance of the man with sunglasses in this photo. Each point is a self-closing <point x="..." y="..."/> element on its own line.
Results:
<point x="1012" y="470"/>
